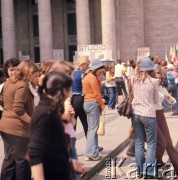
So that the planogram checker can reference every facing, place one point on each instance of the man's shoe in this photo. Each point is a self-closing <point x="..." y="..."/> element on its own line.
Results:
<point x="130" y="154"/>
<point x="100" y="148"/>
<point x="97" y="158"/>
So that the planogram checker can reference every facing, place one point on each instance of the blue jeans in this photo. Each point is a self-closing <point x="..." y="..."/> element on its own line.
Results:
<point x="145" y="126"/>
<point x="112" y="97"/>
<point x="73" y="151"/>
<point x="92" y="111"/>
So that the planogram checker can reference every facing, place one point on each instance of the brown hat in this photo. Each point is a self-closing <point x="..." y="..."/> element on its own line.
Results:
<point x="82" y="60"/>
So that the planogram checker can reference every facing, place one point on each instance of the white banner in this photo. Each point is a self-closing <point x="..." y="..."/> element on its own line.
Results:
<point x="24" y="55"/>
<point x="94" y="51"/>
<point x="58" y="54"/>
<point x="143" y="52"/>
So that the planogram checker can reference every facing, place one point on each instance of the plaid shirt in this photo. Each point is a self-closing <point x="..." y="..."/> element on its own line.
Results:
<point x="145" y="97"/>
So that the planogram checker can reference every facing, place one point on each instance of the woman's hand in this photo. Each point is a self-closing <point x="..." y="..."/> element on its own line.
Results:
<point x="103" y="110"/>
<point x="78" y="167"/>
<point x="69" y="113"/>
<point x="171" y="100"/>
<point x="38" y="172"/>
<point x="26" y="118"/>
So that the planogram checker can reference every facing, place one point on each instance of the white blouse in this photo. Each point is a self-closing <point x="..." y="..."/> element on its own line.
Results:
<point x="163" y="93"/>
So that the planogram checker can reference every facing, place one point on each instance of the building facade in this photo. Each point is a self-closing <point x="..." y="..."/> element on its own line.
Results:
<point x="40" y="29"/>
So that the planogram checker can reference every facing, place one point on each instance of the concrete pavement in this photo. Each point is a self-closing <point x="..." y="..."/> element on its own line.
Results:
<point x="172" y="122"/>
<point x="115" y="144"/>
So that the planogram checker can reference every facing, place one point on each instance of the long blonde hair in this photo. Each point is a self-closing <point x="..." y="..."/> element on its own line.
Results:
<point x="24" y="70"/>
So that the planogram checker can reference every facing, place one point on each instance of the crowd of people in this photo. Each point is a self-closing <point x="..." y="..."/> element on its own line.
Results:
<point x="40" y="105"/>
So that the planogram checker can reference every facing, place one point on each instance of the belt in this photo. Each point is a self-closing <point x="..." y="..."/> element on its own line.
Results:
<point x="75" y="94"/>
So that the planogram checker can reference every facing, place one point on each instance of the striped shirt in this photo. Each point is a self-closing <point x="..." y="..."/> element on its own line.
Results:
<point x="146" y="96"/>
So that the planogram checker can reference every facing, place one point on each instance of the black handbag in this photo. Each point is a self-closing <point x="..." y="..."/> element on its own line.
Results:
<point x="125" y="108"/>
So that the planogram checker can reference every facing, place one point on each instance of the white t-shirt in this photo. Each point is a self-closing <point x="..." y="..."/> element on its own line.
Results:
<point x="130" y="71"/>
<point x="118" y="70"/>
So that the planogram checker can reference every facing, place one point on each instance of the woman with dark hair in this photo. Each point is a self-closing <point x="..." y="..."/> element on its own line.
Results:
<point x="8" y="69"/>
<point x="130" y="68"/>
<point x="49" y="157"/>
<point x="8" y="66"/>
<point x="164" y="141"/>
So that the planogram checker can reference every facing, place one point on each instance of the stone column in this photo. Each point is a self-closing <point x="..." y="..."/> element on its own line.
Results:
<point x="108" y="25"/>
<point x="8" y="29"/>
<point x="45" y="29"/>
<point x="83" y="22"/>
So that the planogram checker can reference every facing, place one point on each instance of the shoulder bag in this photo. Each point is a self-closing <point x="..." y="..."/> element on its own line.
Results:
<point x="125" y="108"/>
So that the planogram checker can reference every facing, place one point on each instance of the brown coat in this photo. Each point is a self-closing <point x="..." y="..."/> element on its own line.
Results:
<point x="17" y="100"/>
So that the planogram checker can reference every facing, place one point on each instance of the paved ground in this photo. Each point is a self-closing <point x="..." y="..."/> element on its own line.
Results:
<point x="117" y="129"/>
<point x="117" y="174"/>
<point x="116" y="132"/>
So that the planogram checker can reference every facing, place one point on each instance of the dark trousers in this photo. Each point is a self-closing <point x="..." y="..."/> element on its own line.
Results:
<point x="14" y="166"/>
<point x="164" y="141"/>
<point x="175" y="107"/>
<point x="77" y="103"/>
<point x="120" y="86"/>
<point x="112" y="97"/>
<point x="172" y="88"/>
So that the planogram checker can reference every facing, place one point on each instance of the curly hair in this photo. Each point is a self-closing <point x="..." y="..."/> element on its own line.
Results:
<point x="13" y="62"/>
